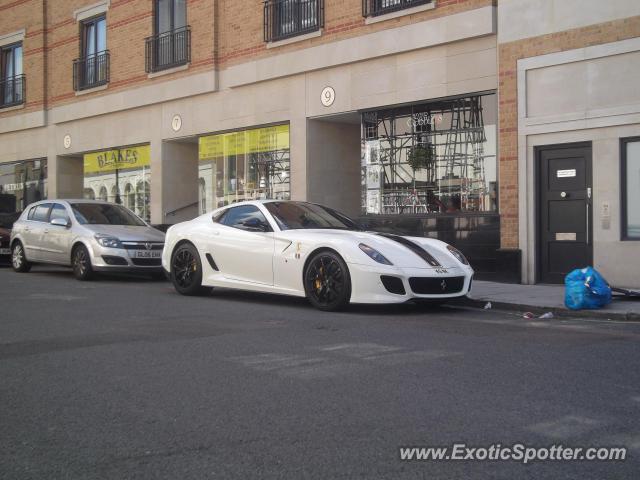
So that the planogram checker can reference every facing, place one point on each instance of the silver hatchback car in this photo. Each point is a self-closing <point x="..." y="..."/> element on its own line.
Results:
<point x="88" y="235"/>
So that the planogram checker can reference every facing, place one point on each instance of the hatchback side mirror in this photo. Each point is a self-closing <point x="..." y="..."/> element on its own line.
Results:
<point x="60" y="222"/>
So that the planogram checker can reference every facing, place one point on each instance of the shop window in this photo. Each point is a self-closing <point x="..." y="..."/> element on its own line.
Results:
<point x="630" y="175"/>
<point x="12" y="80"/>
<point x="431" y="158"/>
<point x="122" y="176"/>
<point x="91" y="69"/>
<point x="246" y="165"/>
<point x="170" y="46"/>
<point x="21" y="183"/>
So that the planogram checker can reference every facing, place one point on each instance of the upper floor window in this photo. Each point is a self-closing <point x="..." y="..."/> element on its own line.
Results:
<point x="372" y="8"/>
<point x="92" y="68"/>
<point x="12" y="81"/>
<point x="170" y="46"/>
<point x="289" y="18"/>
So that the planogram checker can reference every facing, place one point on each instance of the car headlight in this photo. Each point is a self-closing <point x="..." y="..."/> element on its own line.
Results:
<point x="107" y="241"/>
<point x="374" y="254"/>
<point x="458" y="254"/>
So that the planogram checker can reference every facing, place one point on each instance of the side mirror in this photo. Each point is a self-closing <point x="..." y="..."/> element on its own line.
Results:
<point x="255" y="225"/>
<point x="60" y="222"/>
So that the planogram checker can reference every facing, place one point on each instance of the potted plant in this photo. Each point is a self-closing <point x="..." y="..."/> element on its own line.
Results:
<point x="420" y="156"/>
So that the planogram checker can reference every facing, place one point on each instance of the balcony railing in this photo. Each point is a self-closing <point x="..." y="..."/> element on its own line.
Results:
<point x="373" y="8"/>
<point x="168" y="50"/>
<point x="289" y="18"/>
<point x="91" y="71"/>
<point x="12" y="91"/>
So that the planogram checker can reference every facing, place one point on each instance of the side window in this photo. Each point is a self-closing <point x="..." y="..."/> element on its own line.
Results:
<point x="58" y="211"/>
<point x="219" y="217"/>
<point x="32" y="212"/>
<point x="42" y="213"/>
<point x="246" y="217"/>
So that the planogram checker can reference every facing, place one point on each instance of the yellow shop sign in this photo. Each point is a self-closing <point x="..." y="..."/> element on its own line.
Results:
<point x="265" y="139"/>
<point x="120" y="158"/>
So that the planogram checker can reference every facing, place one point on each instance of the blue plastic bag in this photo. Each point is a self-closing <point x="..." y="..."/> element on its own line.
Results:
<point x="586" y="289"/>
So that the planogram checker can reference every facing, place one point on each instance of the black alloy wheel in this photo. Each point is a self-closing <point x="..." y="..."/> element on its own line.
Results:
<point x="327" y="283"/>
<point x="19" y="259"/>
<point x="81" y="263"/>
<point x="186" y="271"/>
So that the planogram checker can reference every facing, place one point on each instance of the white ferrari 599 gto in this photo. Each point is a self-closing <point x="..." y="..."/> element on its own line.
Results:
<point x="305" y="249"/>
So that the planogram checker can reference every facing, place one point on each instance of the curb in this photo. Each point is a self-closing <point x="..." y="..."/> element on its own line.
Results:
<point x="557" y="311"/>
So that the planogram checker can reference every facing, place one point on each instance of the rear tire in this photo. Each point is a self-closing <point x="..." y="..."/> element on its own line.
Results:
<point x="327" y="282"/>
<point x="19" y="260"/>
<point x="81" y="263"/>
<point x="186" y="271"/>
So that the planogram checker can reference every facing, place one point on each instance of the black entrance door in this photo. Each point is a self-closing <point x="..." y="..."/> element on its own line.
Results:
<point x="564" y="210"/>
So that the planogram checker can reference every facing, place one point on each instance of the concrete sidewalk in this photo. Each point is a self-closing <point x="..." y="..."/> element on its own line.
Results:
<point x="540" y="299"/>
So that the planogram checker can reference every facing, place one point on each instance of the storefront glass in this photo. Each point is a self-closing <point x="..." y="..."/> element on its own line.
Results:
<point x="121" y="175"/>
<point x="430" y="158"/>
<point x="244" y="165"/>
<point x="21" y="183"/>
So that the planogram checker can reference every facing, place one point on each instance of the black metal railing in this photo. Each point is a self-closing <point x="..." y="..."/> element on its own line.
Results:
<point x="91" y="71"/>
<point x="373" y="8"/>
<point x="289" y="18"/>
<point x="12" y="91"/>
<point x="168" y="50"/>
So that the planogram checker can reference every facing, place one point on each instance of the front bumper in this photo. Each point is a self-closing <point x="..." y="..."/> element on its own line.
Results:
<point x="104" y="259"/>
<point x="367" y="285"/>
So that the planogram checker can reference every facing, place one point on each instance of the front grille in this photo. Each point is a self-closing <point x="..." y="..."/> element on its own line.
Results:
<point x="436" y="285"/>
<point x="393" y="284"/>
<point x="147" y="262"/>
<point x="142" y="245"/>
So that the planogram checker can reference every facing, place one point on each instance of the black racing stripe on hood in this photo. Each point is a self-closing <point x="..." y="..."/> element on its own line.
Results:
<point x="414" y="247"/>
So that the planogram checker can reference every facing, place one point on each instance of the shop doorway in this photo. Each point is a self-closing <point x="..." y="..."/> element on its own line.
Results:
<point x="564" y="210"/>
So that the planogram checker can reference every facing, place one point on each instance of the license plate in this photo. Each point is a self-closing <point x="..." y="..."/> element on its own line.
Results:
<point x="147" y="253"/>
<point x="5" y="251"/>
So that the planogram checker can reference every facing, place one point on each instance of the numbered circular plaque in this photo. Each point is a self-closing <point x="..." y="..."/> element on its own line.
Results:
<point x="328" y="96"/>
<point x="66" y="141"/>
<point x="176" y="123"/>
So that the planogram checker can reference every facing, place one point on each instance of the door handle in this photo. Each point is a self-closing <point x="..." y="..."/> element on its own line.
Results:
<point x="215" y="232"/>
<point x="27" y="229"/>
<point x="46" y="230"/>
<point x="587" y="223"/>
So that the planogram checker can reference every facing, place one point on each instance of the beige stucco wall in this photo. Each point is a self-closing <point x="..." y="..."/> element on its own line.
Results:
<point x="601" y="104"/>
<point x="518" y="19"/>
<point x="333" y="166"/>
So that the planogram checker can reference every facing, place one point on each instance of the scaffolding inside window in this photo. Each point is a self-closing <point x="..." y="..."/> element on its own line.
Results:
<point x="437" y="157"/>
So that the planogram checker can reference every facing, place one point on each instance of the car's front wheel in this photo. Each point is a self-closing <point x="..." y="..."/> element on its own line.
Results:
<point x="327" y="283"/>
<point x="19" y="260"/>
<point x="81" y="263"/>
<point x="186" y="271"/>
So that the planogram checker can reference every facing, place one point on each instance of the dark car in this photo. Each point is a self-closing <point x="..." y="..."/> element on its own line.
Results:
<point x="6" y="224"/>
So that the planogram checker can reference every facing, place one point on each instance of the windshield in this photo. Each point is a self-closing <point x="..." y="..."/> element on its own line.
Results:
<point x="300" y="215"/>
<point x="104" y="214"/>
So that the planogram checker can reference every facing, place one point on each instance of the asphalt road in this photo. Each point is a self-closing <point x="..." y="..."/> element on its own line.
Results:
<point x="125" y="379"/>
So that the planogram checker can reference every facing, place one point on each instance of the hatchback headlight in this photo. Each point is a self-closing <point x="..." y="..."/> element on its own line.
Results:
<point x="374" y="254"/>
<point x="458" y="254"/>
<point x="108" y="241"/>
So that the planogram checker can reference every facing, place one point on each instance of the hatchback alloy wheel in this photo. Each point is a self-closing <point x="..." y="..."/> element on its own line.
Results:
<point x="19" y="260"/>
